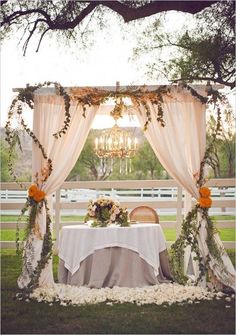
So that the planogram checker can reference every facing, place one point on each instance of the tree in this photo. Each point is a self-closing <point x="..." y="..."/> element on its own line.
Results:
<point x="88" y="166"/>
<point x="205" y="51"/>
<point x="222" y="160"/>
<point x="146" y="165"/>
<point x="4" y="154"/>
<point x="66" y="16"/>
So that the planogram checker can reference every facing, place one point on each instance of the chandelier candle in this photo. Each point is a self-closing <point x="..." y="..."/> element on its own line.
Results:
<point x="116" y="143"/>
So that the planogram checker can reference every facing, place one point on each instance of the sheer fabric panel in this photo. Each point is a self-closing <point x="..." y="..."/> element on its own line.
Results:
<point x="180" y="145"/>
<point x="180" y="148"/>
<point x="64" y="152"/>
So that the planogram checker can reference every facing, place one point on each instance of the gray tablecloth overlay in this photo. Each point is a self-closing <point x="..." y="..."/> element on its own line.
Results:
<point x="115" y="266"/>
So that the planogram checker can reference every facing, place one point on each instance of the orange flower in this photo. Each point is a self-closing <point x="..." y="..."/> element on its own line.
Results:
<point x="205" y="192"/>
<point x="33" y="188"/>
<point x="39" y="195"/>
<point x="205" y="202"/>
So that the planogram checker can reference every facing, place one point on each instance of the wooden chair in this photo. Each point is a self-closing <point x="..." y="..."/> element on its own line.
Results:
<point x="144" y="214"/>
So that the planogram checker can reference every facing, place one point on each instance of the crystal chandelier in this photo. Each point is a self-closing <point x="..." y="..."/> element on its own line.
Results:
<point x="116" y="142"/>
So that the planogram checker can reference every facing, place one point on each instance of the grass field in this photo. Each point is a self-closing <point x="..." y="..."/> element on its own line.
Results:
<point x="226" y="234"/>
<point x="207" y="317"/>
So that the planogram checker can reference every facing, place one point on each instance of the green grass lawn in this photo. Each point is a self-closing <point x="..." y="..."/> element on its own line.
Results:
<point x="226" y="234"/>
<point x="207" y="317"/>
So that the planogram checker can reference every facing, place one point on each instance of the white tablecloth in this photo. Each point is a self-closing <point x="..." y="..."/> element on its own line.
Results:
<point x="78" y="242"/>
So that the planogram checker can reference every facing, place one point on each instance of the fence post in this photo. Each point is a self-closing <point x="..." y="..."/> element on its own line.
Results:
<point x="179" y="211"/>
<point x="57" y="219"/>
<point x="141" y="193"/>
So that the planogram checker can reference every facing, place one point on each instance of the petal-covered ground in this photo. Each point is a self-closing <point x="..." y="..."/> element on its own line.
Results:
<point x="157" y="294"/>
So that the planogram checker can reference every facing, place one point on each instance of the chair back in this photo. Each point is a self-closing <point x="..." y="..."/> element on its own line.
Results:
<point x="144" y="214"/>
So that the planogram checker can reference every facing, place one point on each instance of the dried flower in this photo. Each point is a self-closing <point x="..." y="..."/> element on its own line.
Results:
<point x="39" y="195"/>
<point x="33" y="188"/>
<point x="35" y="193"/>
<point x="205" y="192"/>
<point x="205" y="202"/>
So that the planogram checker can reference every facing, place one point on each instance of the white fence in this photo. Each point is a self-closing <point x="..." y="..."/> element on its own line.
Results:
<point x="76" y="195"/>
<point x="163" y="195"/>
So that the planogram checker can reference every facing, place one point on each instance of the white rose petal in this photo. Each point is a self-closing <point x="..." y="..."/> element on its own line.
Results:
<point x="157" y="294"/>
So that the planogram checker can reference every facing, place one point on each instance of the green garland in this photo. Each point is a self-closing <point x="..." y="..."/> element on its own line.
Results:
<point x="189" y="236"/>
<point x="46" y="252"/>
<point x="139" y="97"/>
<point x="26" y="96"/>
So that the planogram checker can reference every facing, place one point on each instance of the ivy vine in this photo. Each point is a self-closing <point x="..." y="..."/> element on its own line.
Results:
<point x="46" y="253"/>
<point x="26" y="97"/>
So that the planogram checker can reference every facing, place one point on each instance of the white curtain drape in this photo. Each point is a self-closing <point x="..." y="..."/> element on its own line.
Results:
<point x="180" y="148"/>
<point x="64" y="152"/>
<point x="180" y="145"/>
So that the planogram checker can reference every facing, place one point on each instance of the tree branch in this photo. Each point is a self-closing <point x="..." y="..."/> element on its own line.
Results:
<point x="128" y="13"/>
<point x="131" y="13"/>
<point x="79" y="18"/>
<point x="3" y="2"/>
<point x="40" y="40"/>
<point x="20" y="13"/>
<point x="30" y="35"/>
<point x="216" y="80"/>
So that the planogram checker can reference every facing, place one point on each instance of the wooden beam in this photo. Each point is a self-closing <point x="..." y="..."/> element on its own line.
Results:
<point x="123" y="88"/>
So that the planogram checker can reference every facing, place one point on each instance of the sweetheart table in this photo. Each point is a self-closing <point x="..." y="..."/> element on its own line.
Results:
<point x="132" y="256"/>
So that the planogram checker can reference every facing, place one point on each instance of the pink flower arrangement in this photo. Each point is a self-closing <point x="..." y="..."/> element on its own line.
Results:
<point x="105" y="211"/>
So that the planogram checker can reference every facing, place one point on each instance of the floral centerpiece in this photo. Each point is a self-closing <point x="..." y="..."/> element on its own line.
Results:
<point x="105" y="211"/>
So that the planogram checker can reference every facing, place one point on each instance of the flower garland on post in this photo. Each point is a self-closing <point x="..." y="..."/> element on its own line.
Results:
<point x="26" y="97"/>
<point x="190" y="227"/>
<point x="36" y="197"/>
<point x="35" y="202"/>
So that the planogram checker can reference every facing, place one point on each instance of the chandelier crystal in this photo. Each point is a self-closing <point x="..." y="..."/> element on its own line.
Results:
<point x="116" y="142"/>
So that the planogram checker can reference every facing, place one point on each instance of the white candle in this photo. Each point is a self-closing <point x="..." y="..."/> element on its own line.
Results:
<point x="109" y="143"/>
<point x="129" y="143"/>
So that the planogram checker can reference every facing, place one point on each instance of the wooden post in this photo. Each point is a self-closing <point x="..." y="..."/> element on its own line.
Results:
<point x="117" y="86"/>
<point x="179" y="211"/>
<point x="57" y="219"/>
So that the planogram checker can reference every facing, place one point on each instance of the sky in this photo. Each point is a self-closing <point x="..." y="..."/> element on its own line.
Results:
<point x="107" y="61"/>
<point x="103" y="64"/>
